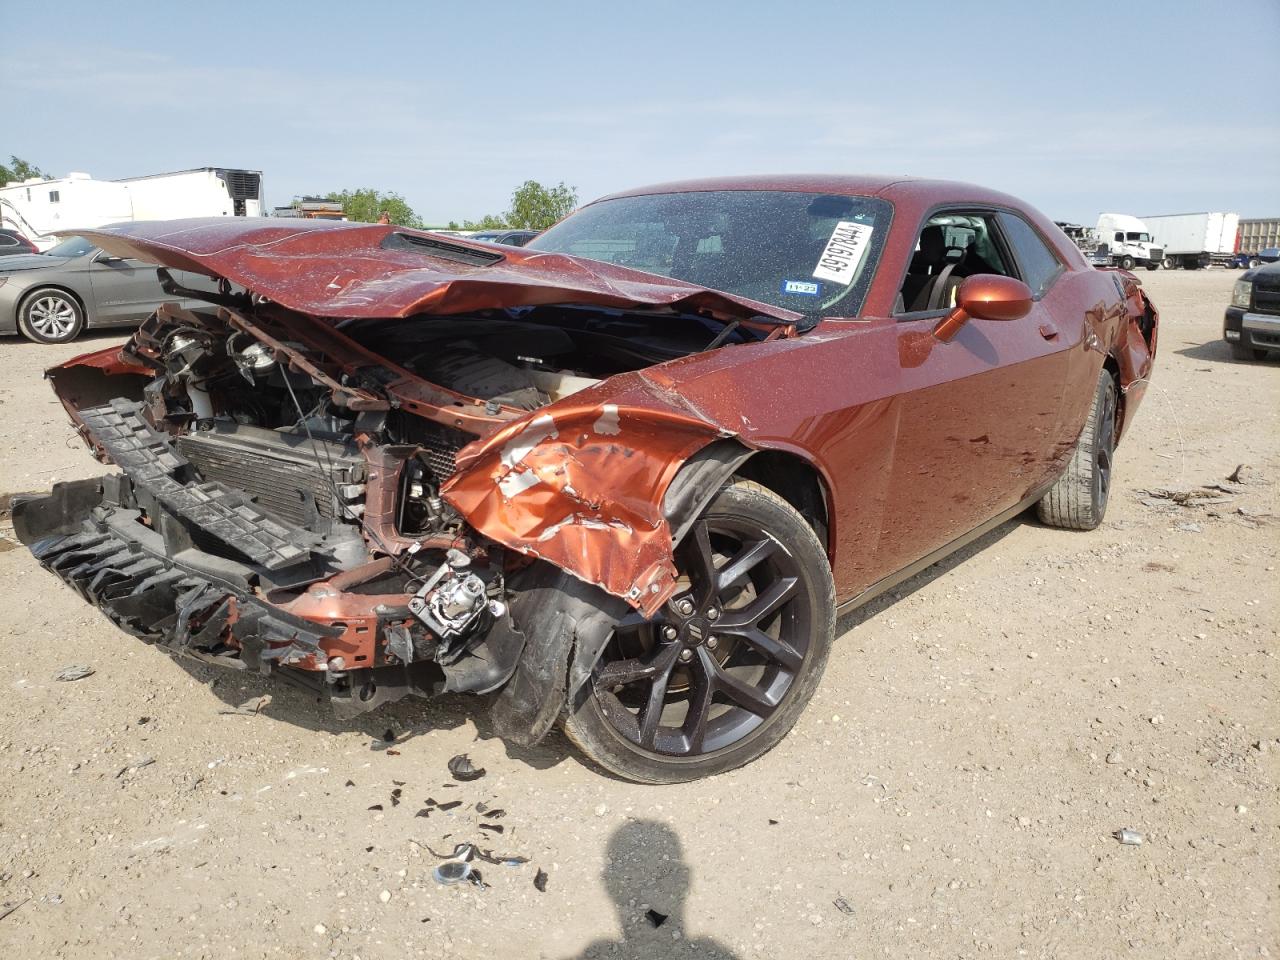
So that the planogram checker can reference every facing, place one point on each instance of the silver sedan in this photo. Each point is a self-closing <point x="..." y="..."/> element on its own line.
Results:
<point x="51" y="297"/>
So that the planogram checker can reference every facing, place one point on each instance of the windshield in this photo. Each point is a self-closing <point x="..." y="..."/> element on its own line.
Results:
<point x="811" y="253"/>
<point x="71" y="247"/>
<point x="1138" y="237"/>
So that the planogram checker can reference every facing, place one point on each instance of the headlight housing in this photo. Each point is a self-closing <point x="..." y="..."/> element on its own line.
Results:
<point x="1242" y="294"/>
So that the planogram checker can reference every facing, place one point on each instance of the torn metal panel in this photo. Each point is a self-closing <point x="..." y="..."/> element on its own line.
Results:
<point x="581" y="485"/>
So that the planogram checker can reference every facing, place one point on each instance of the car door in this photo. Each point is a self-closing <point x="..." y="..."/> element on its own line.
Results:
<point x="978" y="415"/>
<point x="124" y="290"/>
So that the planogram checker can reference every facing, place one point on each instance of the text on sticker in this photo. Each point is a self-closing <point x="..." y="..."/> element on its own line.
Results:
<point x="844" y="251"/>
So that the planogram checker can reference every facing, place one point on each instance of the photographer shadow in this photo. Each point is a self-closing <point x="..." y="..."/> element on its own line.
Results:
<point x="648" y="880"/>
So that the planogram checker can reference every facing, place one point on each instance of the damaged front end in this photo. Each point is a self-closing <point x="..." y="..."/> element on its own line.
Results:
<point x="375" y="509"/>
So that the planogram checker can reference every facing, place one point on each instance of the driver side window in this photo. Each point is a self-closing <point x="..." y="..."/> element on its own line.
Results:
<point x="952" y="245"/>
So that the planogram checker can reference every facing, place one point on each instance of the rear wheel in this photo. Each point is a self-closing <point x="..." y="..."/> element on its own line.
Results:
<point x="1153" y="265"/>
<point x="51" y="316"/>
<point x="1126" y="263"/>
<point x="1078" y="501"/>
<point x="1254" y="262"/>
<point x="721" y="674"/>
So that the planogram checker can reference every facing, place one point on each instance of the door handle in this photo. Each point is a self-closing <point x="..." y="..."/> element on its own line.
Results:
<point x="1048" y="331"/>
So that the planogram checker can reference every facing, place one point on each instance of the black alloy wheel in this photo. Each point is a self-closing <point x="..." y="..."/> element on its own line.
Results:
<point x="722" y="672"/>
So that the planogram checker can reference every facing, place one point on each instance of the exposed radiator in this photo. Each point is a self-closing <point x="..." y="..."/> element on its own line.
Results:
<point x="278" y="471"/>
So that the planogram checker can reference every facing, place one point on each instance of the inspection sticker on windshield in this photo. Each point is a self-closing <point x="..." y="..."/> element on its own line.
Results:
<point x="802" y="288"/>
<point x="844" y="252"/>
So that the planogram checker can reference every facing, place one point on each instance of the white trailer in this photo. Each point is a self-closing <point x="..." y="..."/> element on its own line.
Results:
<point x="1195" y="240"/>
<point x="36" y="208"/>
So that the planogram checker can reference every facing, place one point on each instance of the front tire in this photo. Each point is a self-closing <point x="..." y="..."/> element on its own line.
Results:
<point x="1126" y="263"/>
<point x="1170" y="264"/>
<point x="723" y="672"/>
<point x="1078" y="501"/>
<point x="1153" y="265"/>
<point x="50" y="316"/>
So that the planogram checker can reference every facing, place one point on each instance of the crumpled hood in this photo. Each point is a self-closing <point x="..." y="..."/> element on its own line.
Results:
<point x="340" y="270"/>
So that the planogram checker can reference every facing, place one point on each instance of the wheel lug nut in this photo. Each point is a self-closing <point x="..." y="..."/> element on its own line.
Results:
<point x="686" y="655"/>
<point x="712" y="643"/>
<point x="685" y="607"/>
<point x="670" y="632"/>
<point x="713" y="614"/>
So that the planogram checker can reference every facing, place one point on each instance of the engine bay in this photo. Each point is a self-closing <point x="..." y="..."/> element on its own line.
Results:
<point x="299" y="465"/>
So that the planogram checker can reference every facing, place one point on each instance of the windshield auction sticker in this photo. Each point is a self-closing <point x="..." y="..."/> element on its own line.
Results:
<point x="844" y="252"/>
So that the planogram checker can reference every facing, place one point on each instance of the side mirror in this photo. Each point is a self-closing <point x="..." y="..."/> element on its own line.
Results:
<point x="985" y="296"/>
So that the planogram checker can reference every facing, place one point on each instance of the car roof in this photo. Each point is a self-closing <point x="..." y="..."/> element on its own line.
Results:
<point x="891" y="188"/>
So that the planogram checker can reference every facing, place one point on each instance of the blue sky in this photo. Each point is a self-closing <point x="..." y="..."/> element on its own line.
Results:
<point x="1080" y="107"/>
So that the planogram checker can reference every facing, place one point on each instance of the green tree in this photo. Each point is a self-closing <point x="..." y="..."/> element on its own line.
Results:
<point x="367" y="205"/>
<point x="18" y="169"/>
<point x="487" y="222"/>
<point x="535" y="207"/>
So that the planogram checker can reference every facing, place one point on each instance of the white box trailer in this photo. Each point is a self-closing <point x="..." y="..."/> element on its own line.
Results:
<point x="36" y="208"/>
<point x="1195" y="240"/>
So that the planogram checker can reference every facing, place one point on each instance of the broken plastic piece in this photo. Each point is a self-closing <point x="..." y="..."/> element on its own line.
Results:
<point x="464" y="770"/>
<point x="1129" y="837"/>
<point x="492" y="827"/>
<point x="376" y="806"/>
<point x="843" y="906"/>
<point x="395" y="797"/>
<point x="452" y="871"/>
<point x="540" y="881"/>
<point x="654" y="917"/>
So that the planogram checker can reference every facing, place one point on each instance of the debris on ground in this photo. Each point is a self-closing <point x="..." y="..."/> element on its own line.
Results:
<point x="1130" y="838"/>
<point x="843" y="906"/>
<point x="1245" y="474"/>
<point x="540" y="881"/>
<point x="654" y="917"/>
<point x="463" y="770"/>
<point x="135" y="765"/>
<point x="77" y="671"/>
<point x="12" y="905"/>
<point x="1205" y="496"/>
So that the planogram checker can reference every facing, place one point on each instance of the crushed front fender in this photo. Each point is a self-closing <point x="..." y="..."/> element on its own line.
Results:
<point x="581" y="485"/>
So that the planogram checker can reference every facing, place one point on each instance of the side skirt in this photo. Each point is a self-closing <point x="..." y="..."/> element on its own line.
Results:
<point x="907" y="572"/>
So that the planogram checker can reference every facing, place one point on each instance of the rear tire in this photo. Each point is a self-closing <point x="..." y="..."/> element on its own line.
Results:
<point x="1078" y="501"/>
<point x="695" y="693"/>
<point x="49" y="315"/>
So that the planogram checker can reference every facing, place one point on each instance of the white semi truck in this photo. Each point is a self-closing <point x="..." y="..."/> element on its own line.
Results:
<point x="36" y="207"/>
<point x="1195" y="240"/>
<point x="1125" y="241"/>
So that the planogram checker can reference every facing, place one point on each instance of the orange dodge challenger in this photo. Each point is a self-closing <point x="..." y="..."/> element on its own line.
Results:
<point x="625" y="476"/>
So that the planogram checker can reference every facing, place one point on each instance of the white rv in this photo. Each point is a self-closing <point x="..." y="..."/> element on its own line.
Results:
<point x="1127" y="242"/>
<point x="36" y="208"/>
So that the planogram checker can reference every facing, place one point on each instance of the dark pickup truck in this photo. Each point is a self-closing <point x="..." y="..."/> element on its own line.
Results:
<point x="1251" y="326"/>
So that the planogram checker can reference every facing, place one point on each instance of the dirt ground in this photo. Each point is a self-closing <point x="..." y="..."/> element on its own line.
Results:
<point x="951" y="792"/>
